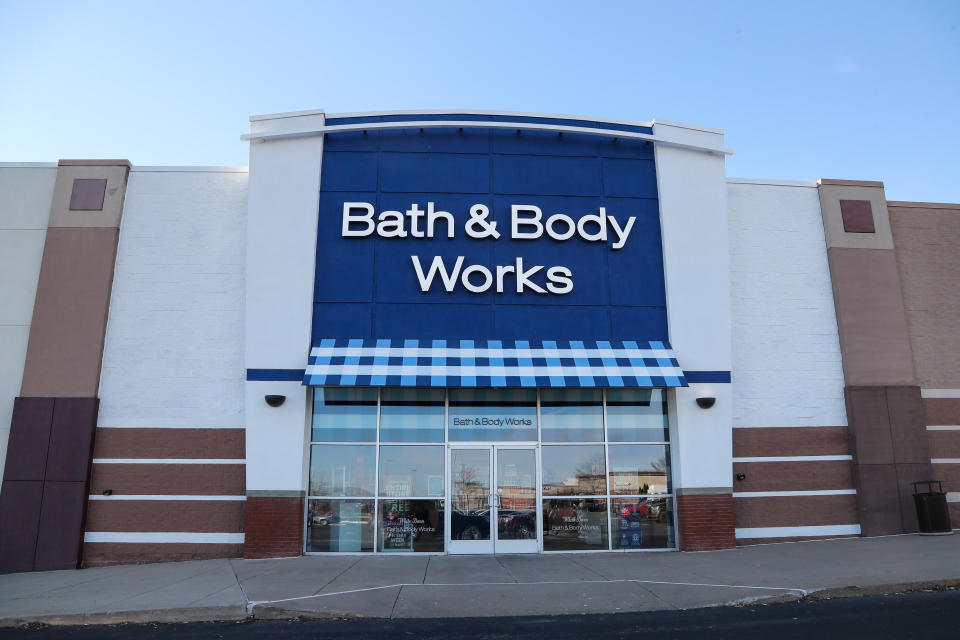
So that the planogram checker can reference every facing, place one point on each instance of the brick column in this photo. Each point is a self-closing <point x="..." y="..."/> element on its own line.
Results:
<point x="274" y="525"/>
<point x="884" y="406"/>
<point x="705" y="521"/>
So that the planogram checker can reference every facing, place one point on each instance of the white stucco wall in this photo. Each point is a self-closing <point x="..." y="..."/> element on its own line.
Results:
<point x="693" y="220"/>
<point x="173" y="355"/>
<point x="25" y="196"/>
<point x="787" y="370"/>
<point x="282" y="211"/>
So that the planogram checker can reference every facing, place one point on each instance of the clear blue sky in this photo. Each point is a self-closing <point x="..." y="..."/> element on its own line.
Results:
<point x="804" y="90"/>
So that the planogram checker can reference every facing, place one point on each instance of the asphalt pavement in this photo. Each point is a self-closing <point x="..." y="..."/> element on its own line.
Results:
<point x="424" y="587"/>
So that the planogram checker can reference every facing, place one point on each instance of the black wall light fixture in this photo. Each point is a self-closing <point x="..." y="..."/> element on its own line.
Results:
<point x="274" y="400"/>
<point x="706" y="402"/>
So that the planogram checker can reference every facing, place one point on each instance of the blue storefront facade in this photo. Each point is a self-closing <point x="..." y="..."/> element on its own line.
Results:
<point x="487" y="361"/>
<point x="367" y="287"/>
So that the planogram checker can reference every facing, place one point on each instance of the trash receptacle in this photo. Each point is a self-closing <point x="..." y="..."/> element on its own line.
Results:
<point x="933" y="515"/>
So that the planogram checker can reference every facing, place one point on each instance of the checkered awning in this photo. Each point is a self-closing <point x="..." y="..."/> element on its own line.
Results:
<point x="492" y="363"/>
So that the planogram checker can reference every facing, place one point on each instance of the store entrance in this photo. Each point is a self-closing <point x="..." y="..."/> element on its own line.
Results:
<point x="493" y="499"/>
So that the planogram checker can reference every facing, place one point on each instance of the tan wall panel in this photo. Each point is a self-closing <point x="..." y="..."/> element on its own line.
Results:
<point x="870" y="317"/>
<point x="70" y="314"/>
<point x="170" y="443"/>
<point x="99" y="554"/>
<point x="790" y="441"/>
<point x="115" y="172"/>
<point x="942" y="411"/>
<point x="200" y="516"/>
<point x="169" y="479"/>
<point x="944" y="444"/>
<point x="795" y="511"/>
<point x="832" y="192"/>
<point x="927" y="241"/>
<point x="794" y="476"/>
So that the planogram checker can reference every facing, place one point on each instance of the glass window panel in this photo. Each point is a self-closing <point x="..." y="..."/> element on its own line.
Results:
<point x="411" y="525"/>
<point x="470" y="494"/>
<point x="639" y="469"/>
<point x="574" y="524"/>
<point x="493" y="414"/>
<point x="411" y="415"/>
<point x="573" y="471"/>
<point x="571" y="415"/>
<point x="408" y="471"/>
<point x="340" y="525"/>
<point x="347" y="414"/>
<point x="637" y="415"/>
<point x="643" y="523"/>
<point x="517" y="494"/>
<point x="342" y="470"/>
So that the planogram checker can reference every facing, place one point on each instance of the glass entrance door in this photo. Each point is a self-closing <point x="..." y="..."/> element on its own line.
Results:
<point x="516" y="500"/>
<point x="493" y="499"/>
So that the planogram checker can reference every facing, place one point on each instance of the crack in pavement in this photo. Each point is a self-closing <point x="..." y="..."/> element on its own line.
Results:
<point x="583" y="566"/>
<point x="395" y="601"/>
<point x="505" y="570"/>
<point x="328" y="582"/>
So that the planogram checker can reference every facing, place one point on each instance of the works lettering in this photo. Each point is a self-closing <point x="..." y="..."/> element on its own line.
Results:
<point x="527" y="222"/>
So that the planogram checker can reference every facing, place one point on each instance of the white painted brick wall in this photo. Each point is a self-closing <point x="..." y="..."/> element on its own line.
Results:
<point x="174" y="345"/>
<point x="787" y="369"/>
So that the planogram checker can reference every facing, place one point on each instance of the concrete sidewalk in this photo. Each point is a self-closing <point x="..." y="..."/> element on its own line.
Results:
<point x="444" y="586"/>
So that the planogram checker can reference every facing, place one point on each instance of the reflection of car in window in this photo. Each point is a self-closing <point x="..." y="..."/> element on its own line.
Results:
<point x="636" y="511"/>
<point x="473" y="525"/>
<point x="522" y="524"/>
<point x="655" y="509"/>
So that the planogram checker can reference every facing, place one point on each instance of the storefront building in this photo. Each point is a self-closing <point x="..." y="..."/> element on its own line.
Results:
<point x="465" y="332"/>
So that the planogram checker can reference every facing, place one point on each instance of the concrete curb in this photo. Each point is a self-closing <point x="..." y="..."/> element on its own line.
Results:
<point x="233" y="613"/>
<point x="240" y="613"/>
<point x="856" y="591"/>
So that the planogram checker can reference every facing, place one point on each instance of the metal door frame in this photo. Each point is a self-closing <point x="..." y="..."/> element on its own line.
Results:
<point x="519" y="546"/>
<point x="493" y="545"/>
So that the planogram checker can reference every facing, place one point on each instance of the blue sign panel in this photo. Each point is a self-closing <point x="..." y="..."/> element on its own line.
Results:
<point x="480" y="233"/>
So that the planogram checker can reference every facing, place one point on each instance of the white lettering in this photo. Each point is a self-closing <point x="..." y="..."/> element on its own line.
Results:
<point x="600" y="221"/>
<point x="516" y="222"/>
<point x="432" y="217"/>
<point x="483" y="271"/>
<point x="415" y="213"/>
<point x="348" y="218"/>
<point x="567" y="220"/>
<point x="390" y="225"/>
<point x="437" y="266"/>
<point x="621" y="234"/>
<point x="503" y="270"/>
<point x="523" y="278"/>
<point x="559" y="280"/>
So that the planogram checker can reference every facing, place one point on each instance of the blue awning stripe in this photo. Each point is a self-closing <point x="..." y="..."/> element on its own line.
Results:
<point x="493" y="363"/>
